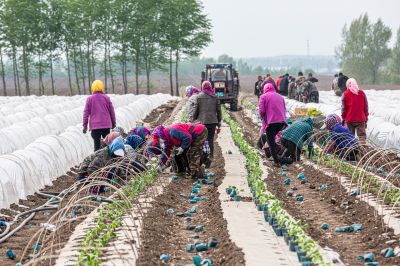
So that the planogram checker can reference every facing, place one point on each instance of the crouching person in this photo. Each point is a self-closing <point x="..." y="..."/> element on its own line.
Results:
<point x="188" y="139"/>
<point x="140" y="131"/>
<point x="295" y="136"/>
<point x="341" y="142"/>
<point x="100" y="158"/>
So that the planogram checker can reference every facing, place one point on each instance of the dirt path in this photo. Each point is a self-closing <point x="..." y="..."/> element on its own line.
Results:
<point x="20" y="239"/>
<point x="332" y="206"/>
<point x="166" y="234"/>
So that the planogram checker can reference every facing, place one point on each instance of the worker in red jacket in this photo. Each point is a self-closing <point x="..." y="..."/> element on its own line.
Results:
<point x="355" y="109"/>
<point x="188" y="139"/>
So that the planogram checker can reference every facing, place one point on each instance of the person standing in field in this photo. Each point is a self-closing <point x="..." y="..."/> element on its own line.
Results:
<point x="208" y="112"/>
<point x="278" y="82"/>
<point x="284" y="85"/>
<point x="257" y="90"/>
<point x="355" y="109"/>
<point x="99" y="114"/>
<point x="292" y="88"/>
<point x="342" y="79"/>
<point x="268" y="79"/>
<point x="191" y="92"/>
<point x="272" y="112"/>
<point x="299" y="81"/>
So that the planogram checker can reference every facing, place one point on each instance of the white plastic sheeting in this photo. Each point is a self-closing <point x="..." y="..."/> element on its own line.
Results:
<point x="55" y="140"/>
<point x="384" y="120"/>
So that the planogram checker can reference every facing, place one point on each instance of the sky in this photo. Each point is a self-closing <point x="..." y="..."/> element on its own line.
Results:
<point x="261" y="28"/>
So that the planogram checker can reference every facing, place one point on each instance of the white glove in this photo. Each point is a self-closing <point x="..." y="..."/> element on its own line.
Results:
<point x="179" y="151"/>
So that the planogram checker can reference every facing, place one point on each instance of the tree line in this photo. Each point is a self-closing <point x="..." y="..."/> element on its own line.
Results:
<point x="97" y="38"/>
<point x="365" y="53"/>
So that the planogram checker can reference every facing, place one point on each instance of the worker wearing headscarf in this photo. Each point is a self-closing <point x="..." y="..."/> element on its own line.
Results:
<point x="192" y="92"/>
<point x="99" y="114"/>
<point x="355" y="109"/>
<point x="208" y="112"/>
<point x="341" y="141"/>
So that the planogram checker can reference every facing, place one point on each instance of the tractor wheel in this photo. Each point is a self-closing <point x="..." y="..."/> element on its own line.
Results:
<point x="234" y="105"/>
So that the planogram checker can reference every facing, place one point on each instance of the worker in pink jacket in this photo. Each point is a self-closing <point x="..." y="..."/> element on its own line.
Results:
<point x="272" y="112"/>
<point x="99" y="114"/>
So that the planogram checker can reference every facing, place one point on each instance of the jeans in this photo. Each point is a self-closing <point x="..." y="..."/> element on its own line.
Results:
<point x="210" y="137"/>
<point x="272" y="130"/>
<point x="97" y="134"/>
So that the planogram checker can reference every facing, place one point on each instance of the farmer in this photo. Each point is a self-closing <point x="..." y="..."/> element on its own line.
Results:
<point x="292" y="88"/>
<point x="188" y="139"/>
<point x="218" y="75"/>
<point x="300" y="79"/>
<point x="191" y="92"/>
<point x="310" y="92"/>
<point x="311" y="78"/>
<point x="342" y="79"/>
<point x="355" y="109"/>
<point x="341" y="141"/>
<point x="295" y="136"/>
<point x="268" y="79"/>
<point x="141" y="131"/>
<point x="135" y="141"/>
<point x="284" y="85"/>
<point x="257" y="87"/>
<point x="278" y="82"/>
<point x="335" y="86"/>
<point x="272" y="112"/>
<point x="207" y="111"/>
<point x="99" y="113"/>
<point x="115" y="148"/>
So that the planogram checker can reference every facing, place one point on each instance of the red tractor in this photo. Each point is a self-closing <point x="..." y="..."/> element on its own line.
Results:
<point x="225" y="82"/>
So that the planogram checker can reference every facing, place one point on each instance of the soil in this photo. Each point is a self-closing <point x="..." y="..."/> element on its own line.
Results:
<point x="318" y="208"/>
<point x="167" y="234"/>
<point x="161" y="114"/>
<point x="19" y="240"/>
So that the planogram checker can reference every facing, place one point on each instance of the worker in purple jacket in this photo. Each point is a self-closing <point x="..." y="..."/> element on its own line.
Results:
<point x="99" y="113"/>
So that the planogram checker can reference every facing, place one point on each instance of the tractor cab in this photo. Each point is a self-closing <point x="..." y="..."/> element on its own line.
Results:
<point x="225" y="82"/>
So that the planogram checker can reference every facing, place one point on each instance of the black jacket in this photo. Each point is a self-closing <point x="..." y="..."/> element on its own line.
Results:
<point x="342" y="83"/>
<point x="284" y="85"/>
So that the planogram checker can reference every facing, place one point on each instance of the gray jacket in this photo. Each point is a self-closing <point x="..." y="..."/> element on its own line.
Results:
<point x="207" y="109"/>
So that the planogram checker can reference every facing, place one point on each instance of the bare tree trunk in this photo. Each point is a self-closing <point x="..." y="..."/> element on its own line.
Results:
<point x="68" y="69"/>
<point x="83" y="72"/>
<point x="93" y="63"/>
<point x="89" y="68"/>
<point x="374" y="73"/>
<point x="26" y="70"/>
<point x="137" y="73"/>
<point x="111" y="71"/>
<point x="3" y="74"/>
<point x="41" y="86"/>
<point x="176" y="72"/>
<point x="126" y="73"/>
<point x="53" y="89"/>
<point x="15" y="72"/>
<point x="76" y="71"/>
<point x="105" y="64"/>
<point x="171" y="83"/>
<point x="148" y="77"/>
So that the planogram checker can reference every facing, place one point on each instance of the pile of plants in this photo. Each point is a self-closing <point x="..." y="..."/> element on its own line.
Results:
<point x="308" y="251"/>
